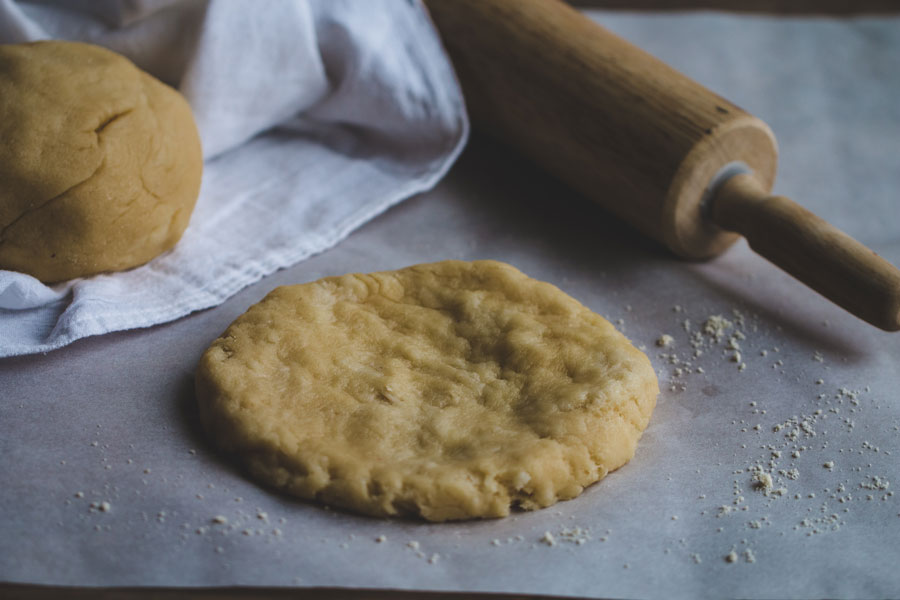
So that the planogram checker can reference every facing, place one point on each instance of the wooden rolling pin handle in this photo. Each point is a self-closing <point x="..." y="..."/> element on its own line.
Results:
<point x="815" y="252"/>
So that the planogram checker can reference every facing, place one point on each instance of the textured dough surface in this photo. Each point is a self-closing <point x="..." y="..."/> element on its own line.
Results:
<point x="100" y="163"/>
<point x="449" y="390"/>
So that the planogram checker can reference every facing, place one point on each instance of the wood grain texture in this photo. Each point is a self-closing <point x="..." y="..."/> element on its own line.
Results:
<point x="646" y="142"/>
<point x="815" y="252"/>
<point x="610" y="120"/>
<point x="775" y="7"/>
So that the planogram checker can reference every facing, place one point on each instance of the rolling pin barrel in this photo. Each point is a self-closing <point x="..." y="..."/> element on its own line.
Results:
<point x="636" y="136"/>
<point x="613" y="122"/>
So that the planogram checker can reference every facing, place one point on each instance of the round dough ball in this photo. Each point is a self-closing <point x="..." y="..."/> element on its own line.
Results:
<point x="451" y="390"/>
<point x="100" y="163"/>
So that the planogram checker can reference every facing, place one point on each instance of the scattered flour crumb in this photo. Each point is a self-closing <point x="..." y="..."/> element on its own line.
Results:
<point x="716" y="326"/>
<point x="762" y="480"/>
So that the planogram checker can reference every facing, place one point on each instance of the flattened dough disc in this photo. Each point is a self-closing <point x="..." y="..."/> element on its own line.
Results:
<point x="450" y="390"/>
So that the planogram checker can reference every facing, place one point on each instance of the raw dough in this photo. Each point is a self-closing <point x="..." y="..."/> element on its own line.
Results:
<point x="100" y="163"/>
<point x="449" y="390"/>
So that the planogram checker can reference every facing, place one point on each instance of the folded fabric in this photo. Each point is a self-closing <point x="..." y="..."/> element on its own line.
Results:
<point x="315" y="116"/>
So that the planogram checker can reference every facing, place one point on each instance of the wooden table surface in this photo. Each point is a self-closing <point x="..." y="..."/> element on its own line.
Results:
<point x="778" y="7"/>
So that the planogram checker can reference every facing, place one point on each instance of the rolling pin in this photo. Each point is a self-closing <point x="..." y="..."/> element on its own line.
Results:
<point x="678" y="162"/>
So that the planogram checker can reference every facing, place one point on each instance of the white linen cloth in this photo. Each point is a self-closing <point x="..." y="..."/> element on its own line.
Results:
<point x="315" y="116"/>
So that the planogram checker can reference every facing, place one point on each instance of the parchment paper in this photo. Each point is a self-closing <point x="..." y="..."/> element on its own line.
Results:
<point x="113" y="420"/>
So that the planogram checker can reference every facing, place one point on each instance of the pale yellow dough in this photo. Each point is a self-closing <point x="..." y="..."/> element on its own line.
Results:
<point x="100" y="163"/>
<point x="450" y="390"/>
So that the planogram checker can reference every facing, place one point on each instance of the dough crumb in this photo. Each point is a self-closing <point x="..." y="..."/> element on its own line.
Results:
<point x="575" y="535"/>
<point x="548" y="539"/>
<point x="380" y="539"/>
<point x="762" y="480"/>
<point x="665" y="340"/>
<point x="219" y="520"/>
<point x="716" y="326"/>
<point x="731" y="557"/>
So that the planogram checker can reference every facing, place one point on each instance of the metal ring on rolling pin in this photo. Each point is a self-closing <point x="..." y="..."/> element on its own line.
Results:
<point x="736" y="167"/>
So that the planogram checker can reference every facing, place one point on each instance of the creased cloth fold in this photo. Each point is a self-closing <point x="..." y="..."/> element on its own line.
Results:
<point x="315" y="116"/>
